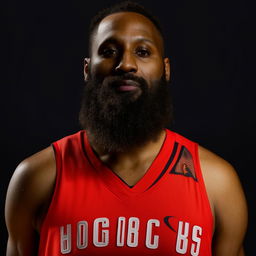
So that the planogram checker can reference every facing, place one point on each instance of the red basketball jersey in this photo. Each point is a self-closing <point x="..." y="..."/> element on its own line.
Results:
<point x="93" y="212"/>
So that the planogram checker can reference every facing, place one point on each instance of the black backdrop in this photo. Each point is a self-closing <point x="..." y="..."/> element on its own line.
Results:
<point x="210" y="44"/>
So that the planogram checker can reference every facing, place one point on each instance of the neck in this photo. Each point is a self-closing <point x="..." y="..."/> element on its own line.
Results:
<point x="133" y="163"/>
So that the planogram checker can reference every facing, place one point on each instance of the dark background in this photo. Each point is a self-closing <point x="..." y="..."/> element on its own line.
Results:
<point x="211" y="47"/>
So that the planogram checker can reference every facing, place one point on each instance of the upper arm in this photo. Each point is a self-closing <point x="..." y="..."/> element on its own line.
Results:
<point x="231" y="214"/>
<point x="27" y="191"/>
<point x="229" y="204"/>
<point x="20" y="213"/>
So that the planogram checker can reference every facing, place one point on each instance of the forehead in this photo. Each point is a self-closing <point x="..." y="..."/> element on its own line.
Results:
<point x="127" y="26"/>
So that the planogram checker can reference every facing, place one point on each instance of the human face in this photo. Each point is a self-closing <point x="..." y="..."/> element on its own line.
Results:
<point x="127" y="42"/>
<point x="126" y="101"/>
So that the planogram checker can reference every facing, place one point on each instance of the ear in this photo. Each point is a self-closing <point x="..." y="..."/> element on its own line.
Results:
<point x="167" y="69"/>
<point x="86" y="68"/>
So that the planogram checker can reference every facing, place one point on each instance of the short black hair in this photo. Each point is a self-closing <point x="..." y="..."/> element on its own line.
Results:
<point x="125" y="6"/>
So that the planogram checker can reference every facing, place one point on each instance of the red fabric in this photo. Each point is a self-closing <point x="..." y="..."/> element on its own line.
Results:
<point x="165" y="213"/>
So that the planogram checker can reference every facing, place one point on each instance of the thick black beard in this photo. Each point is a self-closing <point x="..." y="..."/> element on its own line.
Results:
<point x="117" y="121"/>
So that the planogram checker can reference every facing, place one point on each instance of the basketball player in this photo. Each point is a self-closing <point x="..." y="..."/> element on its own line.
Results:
<point x="125" y="185"/>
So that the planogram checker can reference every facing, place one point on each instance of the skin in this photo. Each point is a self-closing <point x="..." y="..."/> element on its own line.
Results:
<point x="137" y="47"/>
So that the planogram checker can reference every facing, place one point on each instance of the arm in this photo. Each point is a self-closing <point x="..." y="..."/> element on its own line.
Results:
<point x="19" y="215"/>
<point x="231" y="214"/>
<point x="29" y="191"/>
<point x="229" y="204"/>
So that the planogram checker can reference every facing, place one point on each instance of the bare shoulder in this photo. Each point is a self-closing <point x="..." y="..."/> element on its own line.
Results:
<point x="34" y="174"/>
<point x="31" y="186"/>
<point x="219" y="175"/>
<point x="227" y="201"/>
<point x="215" y="168"/>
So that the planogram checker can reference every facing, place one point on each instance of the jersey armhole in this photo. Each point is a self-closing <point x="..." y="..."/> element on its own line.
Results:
<point x="202" y="183"/>
<point x="58" y="163"/>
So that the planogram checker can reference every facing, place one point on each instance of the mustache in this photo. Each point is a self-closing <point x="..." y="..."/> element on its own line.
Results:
<point x="116" y="80"/>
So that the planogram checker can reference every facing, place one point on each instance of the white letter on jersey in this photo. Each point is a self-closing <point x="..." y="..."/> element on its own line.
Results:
<point x="65" y="240"/>
<point x="120" y="231"/>
<point x="149" y="243"/>
<point x="133" y="232"/>
<point x="82" y="235"/>
<point x="104" y="233"/>
<point x="182" y="238"/>
<point x="195" y="247"/>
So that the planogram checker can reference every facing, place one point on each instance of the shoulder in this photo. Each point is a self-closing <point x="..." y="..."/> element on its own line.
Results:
<point x="31" y="184"/>
<point x="219" y="175"/>
<point x="214" y="167"/>
<point x="34" y="171"/>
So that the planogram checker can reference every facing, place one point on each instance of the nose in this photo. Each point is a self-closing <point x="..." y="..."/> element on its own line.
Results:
<point x="127" y="63"/>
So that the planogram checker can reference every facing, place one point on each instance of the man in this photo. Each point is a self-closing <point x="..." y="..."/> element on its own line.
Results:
<point x="125" y="185"/>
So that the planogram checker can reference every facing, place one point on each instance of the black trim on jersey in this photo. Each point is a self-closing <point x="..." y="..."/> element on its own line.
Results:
<point x="175" y="147"/>
<point x="178" y="159"/>
<point x="130" y="186"/>
<point x="166" y="221"/>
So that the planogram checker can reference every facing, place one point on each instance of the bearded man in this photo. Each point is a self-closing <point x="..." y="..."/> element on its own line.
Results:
<point x="125" y="185"/>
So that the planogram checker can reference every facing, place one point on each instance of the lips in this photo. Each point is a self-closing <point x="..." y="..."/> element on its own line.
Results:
<point x="127" y="85"/>
<point x="126" y="88"/>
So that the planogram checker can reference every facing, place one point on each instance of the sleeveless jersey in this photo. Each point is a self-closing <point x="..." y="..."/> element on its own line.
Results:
<point x="94" y="212"/>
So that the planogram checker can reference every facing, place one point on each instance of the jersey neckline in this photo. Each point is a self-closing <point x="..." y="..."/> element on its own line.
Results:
<point x="119" y="186"/>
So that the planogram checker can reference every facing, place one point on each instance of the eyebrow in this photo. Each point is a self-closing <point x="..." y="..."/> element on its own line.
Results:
<point x="115" y="40"/>
<point x="144" y="39"/>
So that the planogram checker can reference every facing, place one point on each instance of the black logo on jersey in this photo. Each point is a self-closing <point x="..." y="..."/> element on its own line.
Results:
<point x="166" y="221"/>
<point x="184" y="165"/>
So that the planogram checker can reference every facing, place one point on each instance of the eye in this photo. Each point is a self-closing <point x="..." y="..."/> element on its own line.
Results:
<point x="108" y="52"/>
<point x="143" y="52"/>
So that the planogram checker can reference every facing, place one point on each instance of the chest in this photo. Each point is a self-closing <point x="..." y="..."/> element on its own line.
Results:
<point x="95" y="215"/>
<point x="93" y="212"/>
